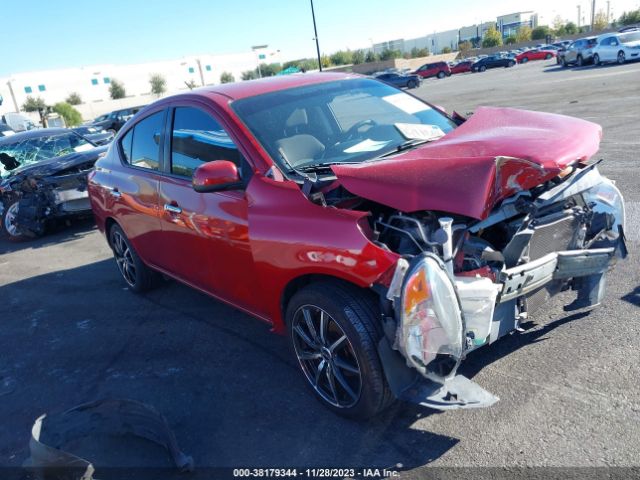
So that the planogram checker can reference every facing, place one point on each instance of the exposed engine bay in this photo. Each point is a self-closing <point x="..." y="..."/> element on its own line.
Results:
<point x="463" y="283"/>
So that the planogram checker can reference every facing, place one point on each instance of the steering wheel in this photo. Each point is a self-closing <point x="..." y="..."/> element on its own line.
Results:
<point x="353" y="130"/>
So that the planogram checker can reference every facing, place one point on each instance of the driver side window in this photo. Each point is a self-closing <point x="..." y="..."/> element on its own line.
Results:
<point x="198" y="138"/>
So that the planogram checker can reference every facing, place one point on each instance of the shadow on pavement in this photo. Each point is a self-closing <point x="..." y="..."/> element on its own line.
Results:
<point x="229" y="388"/>
<point x="633" y="297"/>
<point x="57" y="233"/>
<point x="479" y="359"/>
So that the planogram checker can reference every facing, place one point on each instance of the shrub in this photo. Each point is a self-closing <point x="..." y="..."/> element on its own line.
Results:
<point x="158" y="84"/>
<point x="227" y="77"/>
<point x="74" y="98"/>
<point x="116" y="89"/>
<point x="71" y="116"/>
<point x="33" y="104"/>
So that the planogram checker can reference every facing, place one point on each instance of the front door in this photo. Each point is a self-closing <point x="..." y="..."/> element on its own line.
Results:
<point x="205" y="235"/>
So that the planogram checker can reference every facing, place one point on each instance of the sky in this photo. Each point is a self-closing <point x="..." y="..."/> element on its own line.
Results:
<point x="64" y="33"/>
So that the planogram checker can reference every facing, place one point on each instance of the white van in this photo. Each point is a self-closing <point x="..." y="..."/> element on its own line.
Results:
<point x="18" y="122"/>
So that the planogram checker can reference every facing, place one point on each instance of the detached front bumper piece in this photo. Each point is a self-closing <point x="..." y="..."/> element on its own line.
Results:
<point x="408" y="385"/>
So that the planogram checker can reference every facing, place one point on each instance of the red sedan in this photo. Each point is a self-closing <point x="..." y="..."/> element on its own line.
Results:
<point x="461" y="67"/>
<point x="524" y="57"/>
<point x="385" y="238"/>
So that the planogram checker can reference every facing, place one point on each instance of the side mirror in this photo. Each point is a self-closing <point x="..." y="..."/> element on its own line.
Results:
<point x="216" y="176"/>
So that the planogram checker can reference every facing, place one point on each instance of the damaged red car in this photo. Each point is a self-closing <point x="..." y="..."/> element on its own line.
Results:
<point x="385" y="238"/>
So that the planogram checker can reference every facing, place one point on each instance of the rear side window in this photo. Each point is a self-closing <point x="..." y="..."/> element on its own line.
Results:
<point x="198" y="138"/>
<point x="141" y="145"/>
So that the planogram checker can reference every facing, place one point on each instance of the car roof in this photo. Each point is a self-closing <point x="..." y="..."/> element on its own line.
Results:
<point x="39" y="132"/>
<point x="250" y="88"/>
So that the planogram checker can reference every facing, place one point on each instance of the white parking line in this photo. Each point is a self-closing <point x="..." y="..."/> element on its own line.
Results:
<point x="599" y="75"/>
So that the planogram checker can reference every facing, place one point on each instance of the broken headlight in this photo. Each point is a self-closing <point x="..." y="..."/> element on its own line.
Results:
<point x="430" y="335"/>
<point x="608" y="200"/>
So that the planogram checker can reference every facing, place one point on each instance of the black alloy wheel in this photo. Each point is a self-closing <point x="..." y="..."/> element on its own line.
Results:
<point x="326" y="356"/>
<point x="138" y="276"/>
<point x="334" y="329"/>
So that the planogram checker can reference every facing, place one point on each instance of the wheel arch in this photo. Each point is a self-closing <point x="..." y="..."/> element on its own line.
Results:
<point x="298" y="283"/>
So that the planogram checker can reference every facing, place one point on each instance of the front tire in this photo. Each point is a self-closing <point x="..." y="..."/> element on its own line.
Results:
<point x="138" y="276"/>
<point x="334" y="337"/>
<point x="621" y="57"/>
<point x="482" y="68"/>
<point x="11" y="232"/>
<point x="441" y="75"/>
<point x="579" y="61"/>
<point x="547" y="56"/>
<point x="412" y="84"/>
<point x="524" y="60"/>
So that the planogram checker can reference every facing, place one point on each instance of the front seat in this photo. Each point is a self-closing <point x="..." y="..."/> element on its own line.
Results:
<point x="300" y="149"/>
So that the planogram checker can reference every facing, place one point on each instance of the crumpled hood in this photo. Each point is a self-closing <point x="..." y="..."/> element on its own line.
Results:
<point x="494" y="154"/>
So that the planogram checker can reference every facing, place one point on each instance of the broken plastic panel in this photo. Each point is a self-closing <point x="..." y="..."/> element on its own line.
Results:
<point x="478" y="300"/>
<point x="112" y="416"/>
<point x="430" y="334"/>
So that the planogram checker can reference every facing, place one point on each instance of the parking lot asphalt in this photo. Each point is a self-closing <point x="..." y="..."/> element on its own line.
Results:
<point x="568" y="386"/>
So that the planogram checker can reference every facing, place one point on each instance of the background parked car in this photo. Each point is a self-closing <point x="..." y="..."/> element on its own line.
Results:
<point x="617" y="47"/>
<point x="493" y="61"/>
<point x="579" y="52"/>
<point x="95" y="134"/>
<point x="461" y="67"/>
<point x="537" y="54"/>
<point x="437" y="69"/>
<point x="116" y="119"/>
<point x="43" y="176"/>
<point x="400" y="80"/>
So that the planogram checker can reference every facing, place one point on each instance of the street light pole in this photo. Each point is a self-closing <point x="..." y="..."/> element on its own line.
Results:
<point x="315" y="32"/>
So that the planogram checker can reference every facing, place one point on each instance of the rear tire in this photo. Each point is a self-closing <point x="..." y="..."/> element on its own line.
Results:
<point x="596" y="59"/>
<point x="579" y="61"/>
<point x="564" y="63"/>
<point x="547" y="56"/>
<point x="511" y="64"/>
<point x="139" y="277"/>
<point x="347" y="379"/>
<point x="412" y="84"/>
<point x="482" y="68"/>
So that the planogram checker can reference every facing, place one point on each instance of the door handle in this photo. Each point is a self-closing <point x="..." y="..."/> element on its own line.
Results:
<point x="114" y="192"/>
<point x="172" y="208"/>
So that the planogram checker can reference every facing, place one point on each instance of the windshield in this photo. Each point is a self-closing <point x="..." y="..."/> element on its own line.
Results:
<point x="630" y="37"/>
<point x="338" y="122"/>
<point x="32" y="150"/>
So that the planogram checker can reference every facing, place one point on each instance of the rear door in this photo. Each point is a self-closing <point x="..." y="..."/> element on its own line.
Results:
<point x="134" y="184"/>
<point x="205" y="235"/>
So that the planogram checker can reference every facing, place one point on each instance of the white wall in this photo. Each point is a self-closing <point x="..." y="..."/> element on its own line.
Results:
<point x="58" y="84"/>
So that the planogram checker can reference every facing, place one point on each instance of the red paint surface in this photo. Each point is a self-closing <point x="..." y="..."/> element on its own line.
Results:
<point x="535" y="55"/>
<point x="463" y="173"/>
